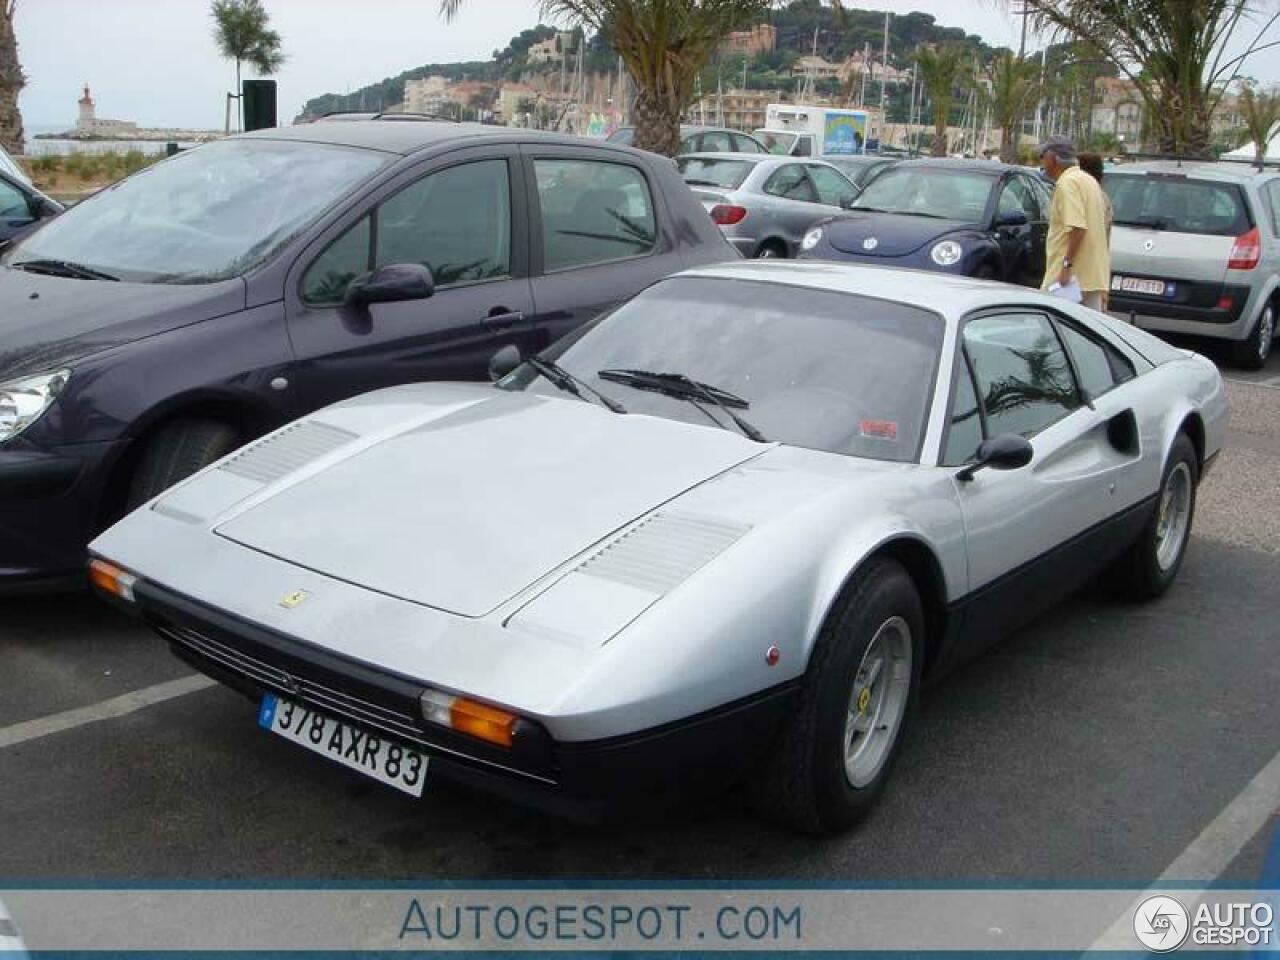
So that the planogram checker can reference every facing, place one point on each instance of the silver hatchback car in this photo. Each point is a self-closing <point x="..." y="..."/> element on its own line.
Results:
<point x="1195" y="249"/>
<point x="764" y="205"/>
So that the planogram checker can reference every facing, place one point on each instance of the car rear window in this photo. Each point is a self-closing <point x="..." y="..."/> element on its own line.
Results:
<point x="703" y="171"/>
<point x="1178" y="203"/>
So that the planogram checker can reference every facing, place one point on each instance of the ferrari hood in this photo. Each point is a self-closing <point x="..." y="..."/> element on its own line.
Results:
<point x="887" y="234"/>
<point x="464" y="508"/>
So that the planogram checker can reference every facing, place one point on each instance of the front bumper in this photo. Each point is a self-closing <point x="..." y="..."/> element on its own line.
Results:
<point x="582" y="780"/>
<point x="49" y="506"/>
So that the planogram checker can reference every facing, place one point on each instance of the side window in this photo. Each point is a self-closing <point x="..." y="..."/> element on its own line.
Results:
<point x="833" y="189"/>
<point x="1024" y="379"/>
<point x="456" y="222"/>
<point x="1099" y="366"/>
<point x="593" y="212"/>
<point x="804" y="146"/>
<point x="348" y="257"/>
<point x="1271" y="192"/>
<point x="964" y="426"/>
<point x="790" y="183"/>
<point x="1044" y="194"/>
<point x="716" y="141"/>
<point x="1016" y="197"/>
<point x="743" y="144"/>
<point x="13" y="204"/>
<point x="690" y="144"/>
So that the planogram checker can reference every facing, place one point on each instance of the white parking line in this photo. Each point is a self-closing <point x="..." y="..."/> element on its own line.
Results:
<point x="1207" y="856"/>
<point x="106" y="710"/>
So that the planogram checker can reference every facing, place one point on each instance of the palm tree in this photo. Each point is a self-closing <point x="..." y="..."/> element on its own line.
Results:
<point x="243" y="33"/>
<point x="940" y="70"/>
<point x="1261" y="114"/>
<point x="1012" y="84"/>
<point x="1180" y="55"/>
<point x="664" y="44"/>
<point x="11" y="80"/>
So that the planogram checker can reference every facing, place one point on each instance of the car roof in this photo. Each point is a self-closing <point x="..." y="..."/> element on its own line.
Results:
<point x="409" y="135"/>
<point x="1199" y="169"/>
<point x="989" y="167"/>
<point x="751" y="157"/>
<point x="946" y="294"/>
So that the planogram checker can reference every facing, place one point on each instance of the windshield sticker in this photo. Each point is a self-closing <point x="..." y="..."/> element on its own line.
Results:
<point x="884" y="429"/>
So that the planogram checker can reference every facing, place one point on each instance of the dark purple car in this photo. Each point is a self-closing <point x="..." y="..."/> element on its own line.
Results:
<point x="975" y="218"/>
<point x="205" y="300"/>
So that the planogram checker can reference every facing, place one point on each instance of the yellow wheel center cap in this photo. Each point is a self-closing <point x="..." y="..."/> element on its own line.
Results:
<point x="864" y="699"/>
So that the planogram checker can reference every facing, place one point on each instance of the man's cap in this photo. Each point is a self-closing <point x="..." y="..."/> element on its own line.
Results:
<point x="1062" y="147"/>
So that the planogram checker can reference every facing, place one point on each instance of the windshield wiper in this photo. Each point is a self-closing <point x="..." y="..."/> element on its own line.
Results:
<point x="562" y="378"/>
<point x="686" y="388"/>
<point x="705" y="183"/>
<point x="63" y="268"/>
<point x="1151" y="223"/>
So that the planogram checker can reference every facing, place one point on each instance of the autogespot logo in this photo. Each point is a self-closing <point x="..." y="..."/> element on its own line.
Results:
<point x="1161" y="924"/>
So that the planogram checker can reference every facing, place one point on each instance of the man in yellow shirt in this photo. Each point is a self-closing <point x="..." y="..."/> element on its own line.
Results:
<point x="1077" y="247"/>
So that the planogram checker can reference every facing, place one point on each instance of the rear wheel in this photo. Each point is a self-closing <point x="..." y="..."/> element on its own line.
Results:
<point x="1147" y="568"/>
<point x="1253" y="352"/>
<point x="985" y="272"/>
<point x="771" y="250"/>
<point x="834" y="755"/>
<point x="177" y="451"/>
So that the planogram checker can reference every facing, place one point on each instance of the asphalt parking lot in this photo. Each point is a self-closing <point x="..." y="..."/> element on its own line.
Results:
<point x="1094" y="746"/>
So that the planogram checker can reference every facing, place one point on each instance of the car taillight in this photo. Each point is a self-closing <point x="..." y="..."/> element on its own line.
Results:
<point x="726" y="214"/>
<point x="1246" y="251"/>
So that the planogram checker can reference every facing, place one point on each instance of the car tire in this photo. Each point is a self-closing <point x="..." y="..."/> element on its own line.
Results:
<point x="177" y="451"/>
<point x="985" y="272"/>
<point x="1148" y="567"/>
<point x="819" y="776"/>
<point x="1253" y="352"/>
<point x="771" y="250"/>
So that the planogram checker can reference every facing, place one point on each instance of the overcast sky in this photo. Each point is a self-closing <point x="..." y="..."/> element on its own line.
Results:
<point x="154" y="61"/>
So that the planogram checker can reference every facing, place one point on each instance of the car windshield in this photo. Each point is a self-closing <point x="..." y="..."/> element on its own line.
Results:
<point x="623" y="135"/>
<point x="1174" y="202"/>
<point x="928" y="191"/>
<point x="818" y="369"/>
<point x="205" y="215"/>
<point x="705" y="171"/>
<point x="779" y="143"/>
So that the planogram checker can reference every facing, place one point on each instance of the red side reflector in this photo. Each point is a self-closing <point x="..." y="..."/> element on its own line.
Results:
<point x="1246" y="252"/>
<point x="1225" y="303"/>
<point x="726" y="214"/>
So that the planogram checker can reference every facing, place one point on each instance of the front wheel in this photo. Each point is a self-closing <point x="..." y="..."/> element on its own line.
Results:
<point x="1147" y="568"/>
<point x="835" y="753"/>
<point x="769" y="250"/>
<point x="177" y="451"/>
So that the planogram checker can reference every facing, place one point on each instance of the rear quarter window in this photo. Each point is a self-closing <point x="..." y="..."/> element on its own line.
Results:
<point x="1179" y="204"/>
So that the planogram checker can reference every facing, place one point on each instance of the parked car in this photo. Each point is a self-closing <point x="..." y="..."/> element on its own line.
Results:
<point x="722" y="533"/>
<point x="764" y="205"/>
<point x="1195" y="249"/>
<point x="696" y="139"/>
<point x="11" y="945"/>
<point x="161" y="323"/>
<point x="969" y="217"/>
<point x="861" y="167"/>
<point x="22" y="208"/>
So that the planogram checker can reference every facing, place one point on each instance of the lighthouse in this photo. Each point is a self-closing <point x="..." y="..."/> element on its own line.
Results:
<point x="85" y="123"/>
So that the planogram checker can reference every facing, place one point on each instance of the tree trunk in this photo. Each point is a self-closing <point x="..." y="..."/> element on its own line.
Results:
<point x="657" y="125"/>
<point x="11" y="82"/>
<point x="940" y="112"/>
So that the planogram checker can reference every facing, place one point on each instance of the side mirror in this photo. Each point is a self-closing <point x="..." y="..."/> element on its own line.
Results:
<point x="393" y="283"/>
<point x="1008" y="451"/>
<point x="1012" y="218"/>
<point x="504" y="361"/>
<point x="42" y="208"/>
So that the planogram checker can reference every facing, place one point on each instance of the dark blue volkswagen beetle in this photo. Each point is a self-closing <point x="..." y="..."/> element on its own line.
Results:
<point x="970" y="217"/>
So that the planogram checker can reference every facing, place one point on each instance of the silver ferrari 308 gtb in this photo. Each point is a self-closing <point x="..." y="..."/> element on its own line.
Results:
<point x="721" y="533"/>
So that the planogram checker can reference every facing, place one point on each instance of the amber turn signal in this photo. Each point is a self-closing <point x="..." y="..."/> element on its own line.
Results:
<point x="475" y="719"/>
<point x="111" y="579"/>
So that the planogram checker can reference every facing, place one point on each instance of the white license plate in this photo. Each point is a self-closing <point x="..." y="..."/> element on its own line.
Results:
<point x="383" y="760"/>
<point x="1154" y="288"/>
